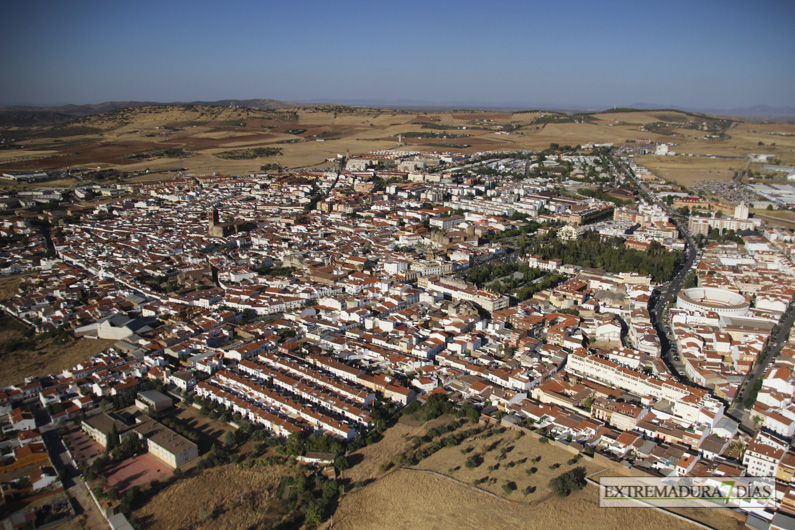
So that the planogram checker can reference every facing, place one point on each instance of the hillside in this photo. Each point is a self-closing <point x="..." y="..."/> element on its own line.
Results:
<point x="31" y="116"/>
<point x="243" y="137"/>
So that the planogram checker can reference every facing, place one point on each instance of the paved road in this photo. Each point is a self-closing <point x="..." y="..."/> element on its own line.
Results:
<point x="672" y="288"/>
<point x="73" y="484"/>
<point x="775" y="344"/>
<point x="738" y="178"/>
<point x="737" y="408"/>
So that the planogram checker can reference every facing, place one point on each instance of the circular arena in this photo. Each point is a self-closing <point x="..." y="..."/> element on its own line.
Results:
<point x="724" y="303"/>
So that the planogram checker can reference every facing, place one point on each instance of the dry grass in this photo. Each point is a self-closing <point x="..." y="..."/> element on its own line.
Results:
<point x="686" y="170"/>
<point x="439" y="491"/>
<point x="223" y="497"/>
<point x="512" y="469"/>
<point x="9" y="287"/>
<point x="41" y="356"/>
<point x="369" y="459"/>
<point x="783" y="218"/>
<point x="75" y="523"/>
<point x="409" y="499"/>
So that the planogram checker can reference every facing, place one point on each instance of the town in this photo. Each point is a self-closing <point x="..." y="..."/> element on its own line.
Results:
<point x="570" y="293"/>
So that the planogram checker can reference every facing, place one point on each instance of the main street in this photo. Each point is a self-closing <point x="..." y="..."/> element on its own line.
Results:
<point x="670" y="289"/>
<point x="775" y="344"/>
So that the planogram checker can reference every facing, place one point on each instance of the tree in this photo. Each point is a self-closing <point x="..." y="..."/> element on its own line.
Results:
<point x="469" y="411"/>
<point x="229" y="439"/>
<point x="566" y="483"/>
<point x="314" y="516"/>
<point x="113" y="439"/>
<point x="341" y="463"/>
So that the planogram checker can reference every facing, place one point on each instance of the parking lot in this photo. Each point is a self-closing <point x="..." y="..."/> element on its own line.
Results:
<point x="83" y="448"/>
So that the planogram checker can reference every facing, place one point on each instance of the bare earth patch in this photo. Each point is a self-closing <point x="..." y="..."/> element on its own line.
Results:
<point x="223" y="497"/>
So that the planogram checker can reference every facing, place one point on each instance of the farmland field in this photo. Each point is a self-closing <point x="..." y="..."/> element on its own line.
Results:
<point x="309" y="136"/>
<point x="687" y="170"/>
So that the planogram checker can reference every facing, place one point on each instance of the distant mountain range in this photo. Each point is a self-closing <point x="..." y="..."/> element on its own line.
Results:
<point x="32" y="116"/>
<point x="758" y="111"/>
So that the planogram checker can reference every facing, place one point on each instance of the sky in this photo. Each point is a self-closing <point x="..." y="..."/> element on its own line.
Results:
<point x="697" y="53"/>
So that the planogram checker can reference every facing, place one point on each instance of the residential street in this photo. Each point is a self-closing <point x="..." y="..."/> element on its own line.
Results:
<point x="73" y="484"/>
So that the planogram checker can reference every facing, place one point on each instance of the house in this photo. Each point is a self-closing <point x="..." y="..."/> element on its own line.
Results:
<point x="763" y="455"/>
<point x="21" y="419"/>
<point x="686" y="464"/>
<point x="42" y="477"/>
<point x="399" y="394"/>
<point x="101" y="427"/>
<point x="161" y="442"/>
<point x="33" y="436"/>
<point x="184" y="380"/>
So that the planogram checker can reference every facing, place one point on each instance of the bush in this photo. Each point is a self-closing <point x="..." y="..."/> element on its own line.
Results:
<point x="472" y="462"/>
<point x="543" y="440"/>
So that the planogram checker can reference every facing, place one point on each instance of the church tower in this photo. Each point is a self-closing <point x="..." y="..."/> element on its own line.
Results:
<point x="212" y="219"/>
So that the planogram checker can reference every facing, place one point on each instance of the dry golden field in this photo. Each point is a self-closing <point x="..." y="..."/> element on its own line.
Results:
<point x="9" y="287"/>
<point x="412" y="499"/>
<point x="686" y="170"/>
<point x="314" y="136"/>
<point x="439" y="491"/>
<point x="108" y="140"/>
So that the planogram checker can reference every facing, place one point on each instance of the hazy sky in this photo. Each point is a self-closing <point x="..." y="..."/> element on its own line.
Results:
<point x="696" y="53"/>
